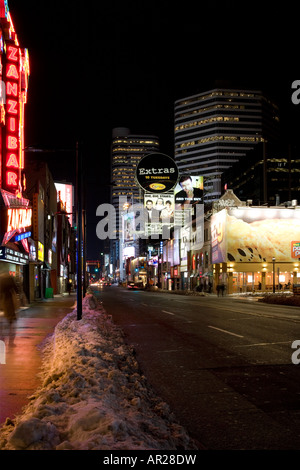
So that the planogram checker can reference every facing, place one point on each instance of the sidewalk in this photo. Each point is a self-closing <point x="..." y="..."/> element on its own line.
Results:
<point x="19" y="375"/>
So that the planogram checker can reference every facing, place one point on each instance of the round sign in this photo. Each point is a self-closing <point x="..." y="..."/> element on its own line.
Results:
<point x="157" y="173"/>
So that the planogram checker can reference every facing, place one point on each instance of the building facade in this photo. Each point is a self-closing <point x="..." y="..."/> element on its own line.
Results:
<point x="255" y="248"/>
<point x="216" y="129"/>
<point x="15" y="208"/>
<point x="126" y="151"/>
<point x="269" y="176"/>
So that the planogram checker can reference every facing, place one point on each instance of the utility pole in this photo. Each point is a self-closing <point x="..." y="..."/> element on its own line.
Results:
<point x="79" y="229"/>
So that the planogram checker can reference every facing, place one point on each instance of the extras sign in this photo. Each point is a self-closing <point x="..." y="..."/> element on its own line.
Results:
<point x="157" y="173"/>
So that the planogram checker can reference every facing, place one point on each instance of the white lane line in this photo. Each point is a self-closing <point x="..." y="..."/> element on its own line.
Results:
<point x="170" y="313"/>
<point x="262" y="344"/>
<point x="225" y="331"/>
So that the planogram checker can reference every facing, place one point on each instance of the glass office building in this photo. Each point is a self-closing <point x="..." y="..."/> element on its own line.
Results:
<point x="215" y="129"/>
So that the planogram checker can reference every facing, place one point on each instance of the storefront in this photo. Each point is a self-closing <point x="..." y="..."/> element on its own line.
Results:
<point x="16" y="220"/>
<point x="256" y="248"/>
<point x="15" y="264"/>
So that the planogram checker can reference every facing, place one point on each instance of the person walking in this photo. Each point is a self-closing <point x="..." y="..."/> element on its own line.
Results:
<point x="8" y="296"/>
<point x="69" y="286"/>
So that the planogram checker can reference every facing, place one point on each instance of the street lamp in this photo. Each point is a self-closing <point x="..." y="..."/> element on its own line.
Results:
<point x="273" y="260"/>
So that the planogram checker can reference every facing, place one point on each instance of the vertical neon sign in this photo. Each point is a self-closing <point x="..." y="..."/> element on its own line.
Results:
<point x="15" y="73"/>
<point x="12" y="162"/>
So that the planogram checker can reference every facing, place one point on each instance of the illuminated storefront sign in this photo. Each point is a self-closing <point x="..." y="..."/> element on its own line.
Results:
<point x="295" y="249"/>
<point x="16" y="219"/>
<point x="40" y="251"/>
<point x="4" y="11"/>
<point x="9" y="255"/>
<point x="13" y="163"/>
<point x="22" y="236"/>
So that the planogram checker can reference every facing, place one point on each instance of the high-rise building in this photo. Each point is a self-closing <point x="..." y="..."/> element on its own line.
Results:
<point x="126" y="151"/>
<point x="215" y="129"/>
<point x="270" y="175"/>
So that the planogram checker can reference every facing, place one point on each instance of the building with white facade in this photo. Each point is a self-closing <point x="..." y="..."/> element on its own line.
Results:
<point x="215" y="129"/>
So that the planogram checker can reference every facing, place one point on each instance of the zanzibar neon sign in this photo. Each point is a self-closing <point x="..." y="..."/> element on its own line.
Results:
<point x="13" y="162"/>
<point x="18" y="219"/>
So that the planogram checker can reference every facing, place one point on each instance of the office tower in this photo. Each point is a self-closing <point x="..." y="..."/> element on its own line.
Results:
<point x="215" y="129"/>
<point x="126" y="151"/>
<point x="270" y="175"/>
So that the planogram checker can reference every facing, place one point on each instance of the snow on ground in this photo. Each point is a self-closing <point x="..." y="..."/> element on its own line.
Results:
<point x="92" y="395"/>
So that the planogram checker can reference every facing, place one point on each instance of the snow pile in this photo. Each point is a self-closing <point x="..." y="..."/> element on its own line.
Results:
<point x="93" y="395"/>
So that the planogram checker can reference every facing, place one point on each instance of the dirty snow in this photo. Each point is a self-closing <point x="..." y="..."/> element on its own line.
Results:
<point x="93" y="395"/>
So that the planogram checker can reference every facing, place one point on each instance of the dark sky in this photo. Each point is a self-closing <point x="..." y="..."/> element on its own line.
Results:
<point x="99" y="65"/>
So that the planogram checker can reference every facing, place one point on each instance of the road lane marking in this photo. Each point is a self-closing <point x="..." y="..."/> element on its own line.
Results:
<point x="225" y="331"/>
<point x="262" y="344"/>
<point x="292" y="318"/>
<point x="170" y="313"/>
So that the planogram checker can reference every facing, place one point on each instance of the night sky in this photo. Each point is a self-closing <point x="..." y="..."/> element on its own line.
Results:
<point x="97" y="65"/>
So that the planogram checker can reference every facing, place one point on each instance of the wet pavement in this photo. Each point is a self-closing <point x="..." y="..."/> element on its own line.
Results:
<point x="19" y="374"/>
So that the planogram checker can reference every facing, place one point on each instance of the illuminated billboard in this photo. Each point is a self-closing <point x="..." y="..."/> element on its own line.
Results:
<point x="188" y="191"/>
<point x="158" y="212"/>
<point x="65" y="193"/>
<point x="157" y="173"/>
<point x="255" y="234"/>
<point x="128" y="226"/>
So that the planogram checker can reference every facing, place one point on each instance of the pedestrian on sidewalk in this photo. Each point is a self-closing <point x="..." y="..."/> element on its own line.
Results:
<point x="8" y="302"/>
<point x="69" y="286"/>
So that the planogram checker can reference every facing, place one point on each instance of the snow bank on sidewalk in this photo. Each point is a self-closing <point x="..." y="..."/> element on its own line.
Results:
<point x="93" y="395"/>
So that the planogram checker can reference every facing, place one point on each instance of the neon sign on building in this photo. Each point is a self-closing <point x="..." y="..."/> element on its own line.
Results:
<point x="15" y="73"/>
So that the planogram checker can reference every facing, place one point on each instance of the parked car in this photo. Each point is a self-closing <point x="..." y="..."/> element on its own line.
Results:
<point x="135" y="285"/>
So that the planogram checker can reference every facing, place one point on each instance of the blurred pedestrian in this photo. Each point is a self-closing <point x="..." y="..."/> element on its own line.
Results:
<point x="8" y="301"/>
<point x="69" y="286"/>
<point x="222" y="288"/>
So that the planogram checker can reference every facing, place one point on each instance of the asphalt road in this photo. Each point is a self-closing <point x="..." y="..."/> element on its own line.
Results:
<point x="224" y="365"/>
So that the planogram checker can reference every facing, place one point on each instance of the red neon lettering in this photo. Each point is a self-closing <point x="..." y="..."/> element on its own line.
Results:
<point x="11" y="178"/>
<point x="12" y="142"/>
<point x="12" y="89"/>
<point x="12" y="71"/>
<point x="12" y="161"/>
<point x="12" y="107"/>
<point x="18" y="218"/>
<point x="12" y="53"/>
<point x="12" y="124"/>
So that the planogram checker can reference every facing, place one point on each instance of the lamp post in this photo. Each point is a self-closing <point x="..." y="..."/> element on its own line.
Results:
<point x="273" y="260"/>
<point x="79" y="230"/>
